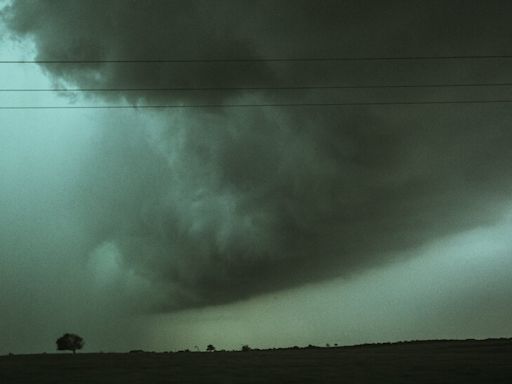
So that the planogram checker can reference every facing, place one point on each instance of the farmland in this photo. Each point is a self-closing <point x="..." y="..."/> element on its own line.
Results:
<point x="471" y="361"/>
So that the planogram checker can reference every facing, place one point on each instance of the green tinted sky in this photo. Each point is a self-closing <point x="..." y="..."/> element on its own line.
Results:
<point x="268" y="227"/>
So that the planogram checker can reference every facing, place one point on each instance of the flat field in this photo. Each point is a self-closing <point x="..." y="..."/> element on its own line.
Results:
<point x="485" y="361"/>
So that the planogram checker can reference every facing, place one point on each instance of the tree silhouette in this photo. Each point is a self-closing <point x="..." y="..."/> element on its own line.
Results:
<point x="69" y="342"/>
<point x="210" y="348"/>
<point x="246" y="348"/>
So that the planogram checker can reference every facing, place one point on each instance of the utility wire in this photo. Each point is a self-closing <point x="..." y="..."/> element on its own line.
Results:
<point x="312" y="87"/>
<point x="271" y="105"/>
<point x="257" y="60"/>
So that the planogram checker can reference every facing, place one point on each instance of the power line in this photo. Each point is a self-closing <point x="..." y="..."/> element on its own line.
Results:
<point x="271" y="105"/>
<point x="263" y="88"/>
<point x="256" y="60"/>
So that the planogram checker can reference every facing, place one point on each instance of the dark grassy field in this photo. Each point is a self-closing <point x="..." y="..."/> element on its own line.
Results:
<point x="487" y="361"/>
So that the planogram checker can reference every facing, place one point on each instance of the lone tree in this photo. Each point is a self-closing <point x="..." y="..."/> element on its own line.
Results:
<point x="70" y="342"/>
<point x="210" y="348"/>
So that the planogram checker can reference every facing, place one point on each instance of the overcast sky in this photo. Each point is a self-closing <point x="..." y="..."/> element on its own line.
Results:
<point x="175" y="228"/>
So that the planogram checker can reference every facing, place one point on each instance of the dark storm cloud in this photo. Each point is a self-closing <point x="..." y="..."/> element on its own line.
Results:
<point x="142" y="30"/>
<point x="215" y="208"/>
